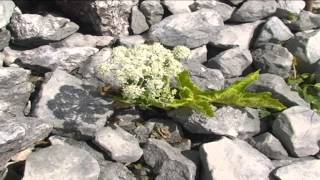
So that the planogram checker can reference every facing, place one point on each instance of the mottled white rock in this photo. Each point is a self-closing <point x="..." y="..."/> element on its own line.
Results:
<point x="298" y="129"/>
<point x="177" y="7"/>
<point x="138" y="21"/>
<point x="120" y="145"/>
<point x="61" y="162"/>
<point x="306" y="170"/>
<point x="6" y="10"/>
<point x="233" y="160"/>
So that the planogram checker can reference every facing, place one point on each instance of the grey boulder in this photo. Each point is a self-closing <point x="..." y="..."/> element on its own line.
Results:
<point x="253" y="10"/>
<point x="114" y="171"/>
<point x="270" y="146"/>
<point x="47" y="58"/>
<point x="168" y="162"/>
<point x="273" y="31"/>
<point x="298" y="129"/>
<point x="306" y="170"/>
<point x="19" y="133"/>
<point x="273" y="59"/>
<point x="152" y="10"/>
<point x="104" y="17"/>
<point x="279" y="89"/>
<point x="138" y="21"/>
<point x="61" y="162"/>
<point x="189" y="29"/>
<point x="15" y="90"/>
<point x="305" y="47"/>
<point x="306" y="21"/>
<point x="84" y="40"/>
<point x="287" y="7"/>
<point x="232" y="160"/>
<point x="132" y="41"/>
<point x="32" y="30"/>
<point x="230" y="36"/>
<point x="4" y="38"/>
<point x="120" y="145"/>
<point x="6" y="11"/>
<point x="231" y="62"/>
<point x="74" y="107"/>
<point x="227" y="121"/>
<point x="177" y="7"/>
<point x="223" y="9"/>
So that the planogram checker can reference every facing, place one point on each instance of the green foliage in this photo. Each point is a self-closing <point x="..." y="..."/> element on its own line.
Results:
<point x="307" y="86"/>
<point x="236" y="94"/>
<point x="293" y="16"/>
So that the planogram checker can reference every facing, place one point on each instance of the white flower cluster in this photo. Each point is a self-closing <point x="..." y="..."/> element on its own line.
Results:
<point x="145" y="71"/>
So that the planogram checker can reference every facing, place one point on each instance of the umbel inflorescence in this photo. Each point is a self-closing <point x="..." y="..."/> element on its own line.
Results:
<point x="145" y="72"/>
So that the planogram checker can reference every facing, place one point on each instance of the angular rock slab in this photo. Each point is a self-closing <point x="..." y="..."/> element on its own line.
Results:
<point x="6" y="10"/>
<point x="306" y="21"/>
<point x="189" y="29"/>
<point x="231" y="62"/>
<point x="279" y="89"/>
<point x="227" y="121"/>
<point x="273" y="59"/>
<point x="114" y="171"/>
<point x="120" y="145"/>
<point x="105" y="17"/>
<point x="73" y="107"/>
<point x="270" y="146"/>
<point x="230" y="36"/>
<point x="47" y="58"/>
<point x="152" y="10"/>
<point x="4" y="38"/>
<point x="253" y="10"/>
<point x="273" y="31"/>
<point x="61" y="162"/>
<point x="138" y="21"/>
<point x="32" y="30"/>
<point x="19" y="133"/>
<point x="233" y="160"/>
<point x="306" y="170"/>
<point x="298" y="129"/>
<point x="286" y="7"/>
<point x="15" y="90"/>
<point x="305" y="46"/>
<point x="178" y="7"/>
<point x="168" y="162"/>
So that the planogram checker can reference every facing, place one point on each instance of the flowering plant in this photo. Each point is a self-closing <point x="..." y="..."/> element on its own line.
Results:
<point x="145" y="74"/>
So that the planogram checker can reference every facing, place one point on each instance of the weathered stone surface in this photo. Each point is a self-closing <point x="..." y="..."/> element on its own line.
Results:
<point x="73" y="107"/>
<point x="120" y="145"/>
<point x="223" y="9"/>
<point x="251" y="11"/>
<point x="6" y="10"/>
<point x="138" y="21"/>
<point x="105" y="17"/>
<point x="189" y="29"/>
<point x="153" y="11"/>
<point x="273" y="59"/>
<point x="306" y="170"/>
<point x="305" y="46"/>
<point x="131" y="41"/>
<point x="168" y="162"/>
<point x="230" y="36"/>
<point x="82" y="40"/>
<point x="279" y="89"/>
<point x="290" y="160"/>
<point x="115" y="171"/>
<point x="46" y="58"/>
<point x="231" y="62"/>
<point x="270" y="146"/>
<point x="177" y="7"/>
<point x="19" y="133"/>
<point x="32" y="30"/>
<point x="61" y="162"/>
<point x="286" y="7"/>
<point x="15" y="90"/>
<point x="4" y="38"/>
<point x="227" y="121"/>
<point x="298" y="129"/>
<point x="273" y="31"/>
<point x="232" y="160"/>
<point x="306" y="21"/>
